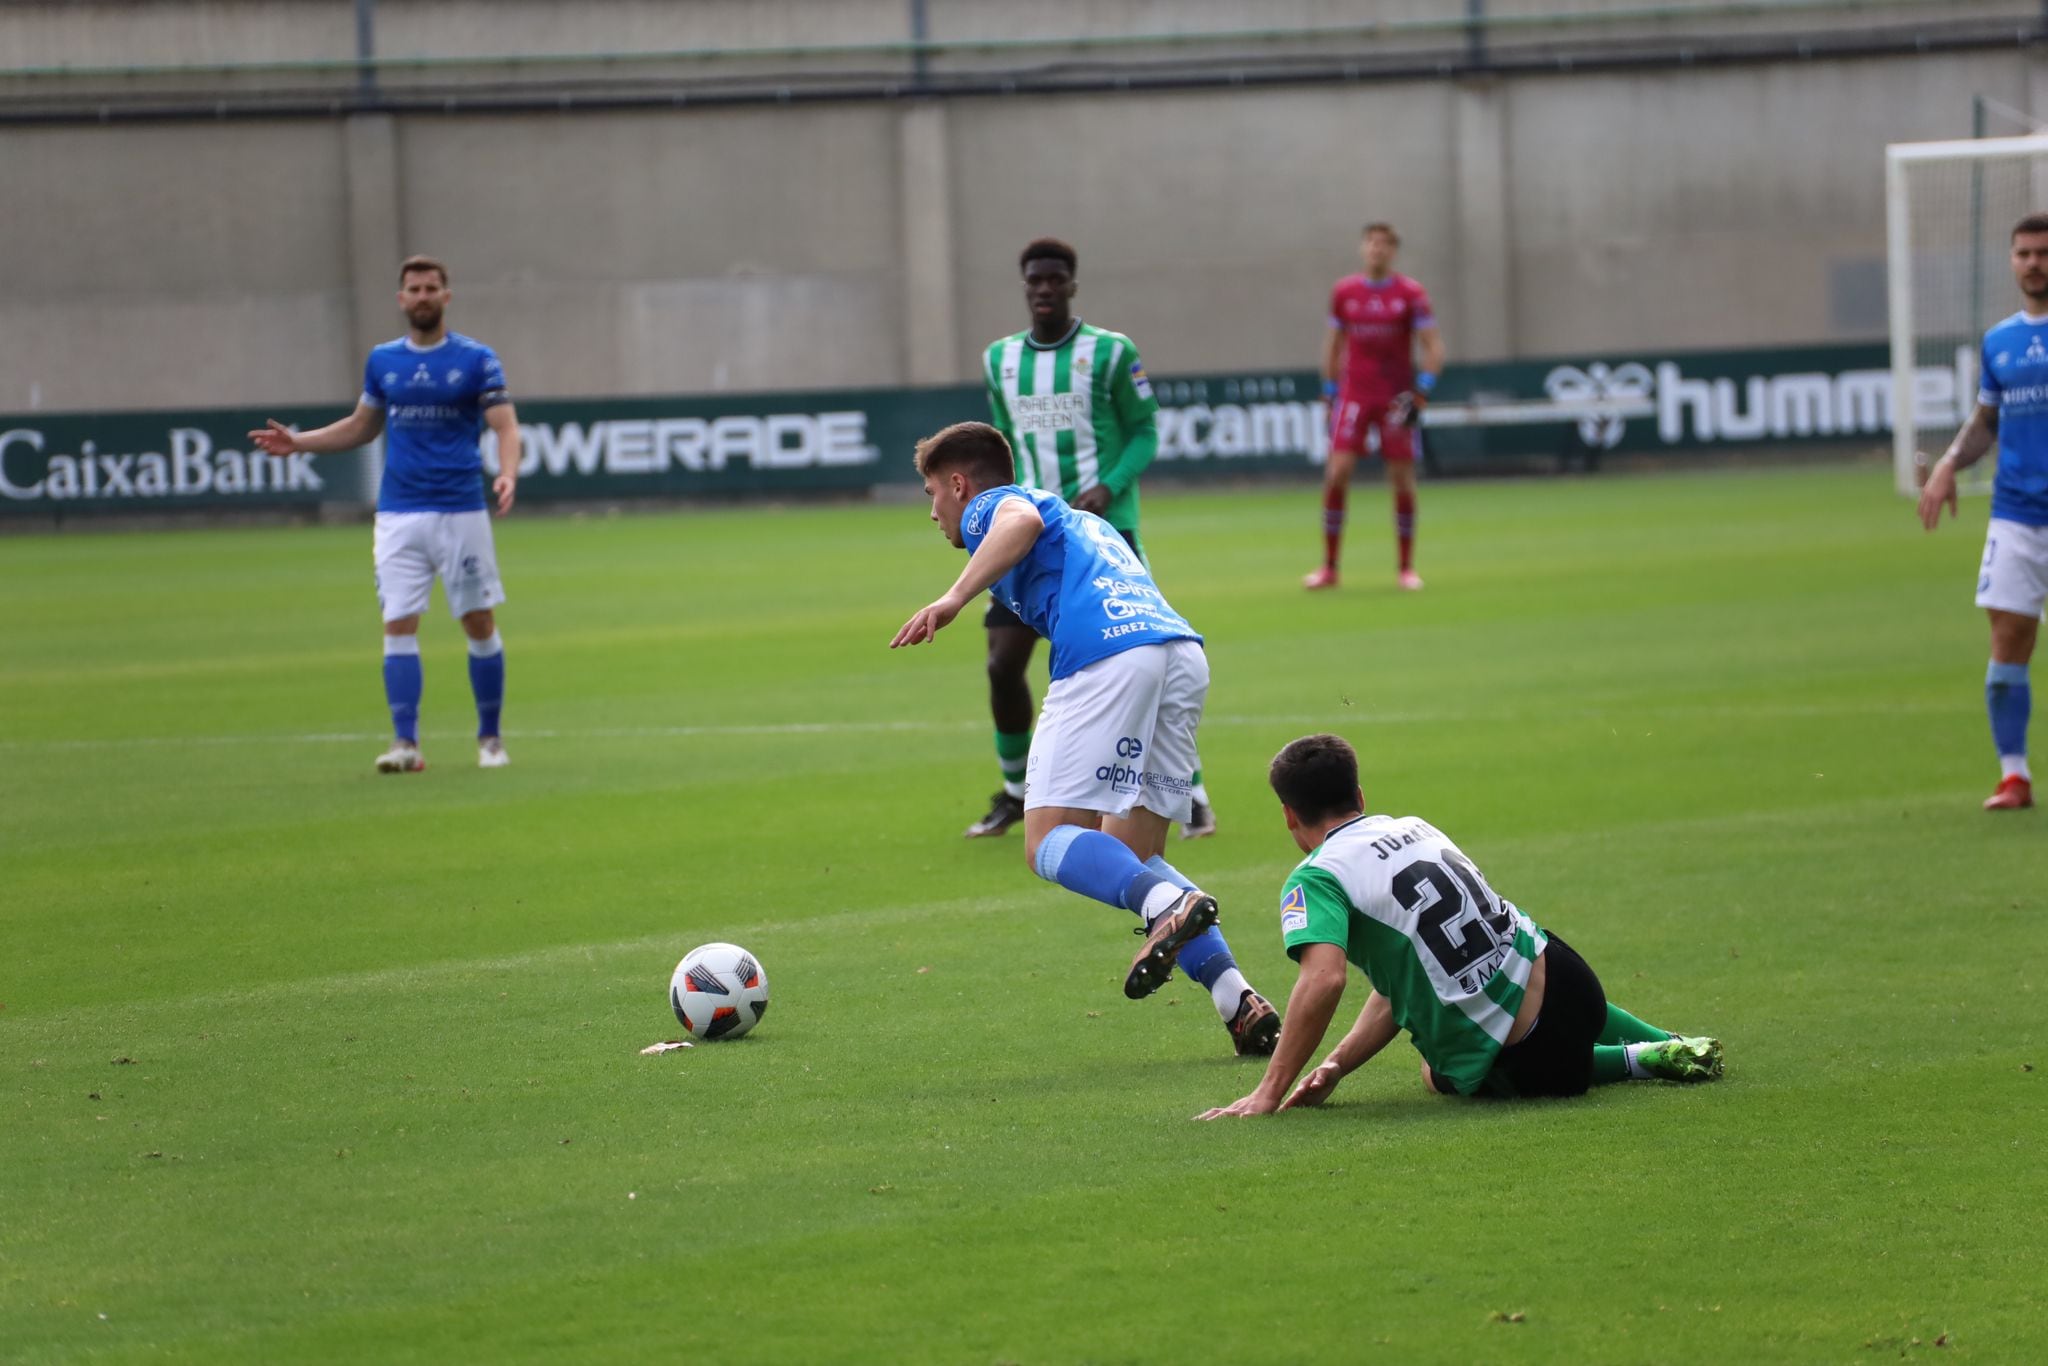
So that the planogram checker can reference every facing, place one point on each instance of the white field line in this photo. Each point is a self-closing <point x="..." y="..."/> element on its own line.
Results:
<point x="1335" y="719"/>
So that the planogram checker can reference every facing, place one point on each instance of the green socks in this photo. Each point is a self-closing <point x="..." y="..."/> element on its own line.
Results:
<point x="1610" y="1064"/>
<point x="1013" y="751"/>
<point x="1611" y="1053"/>
<point x="1623" y="1027"/>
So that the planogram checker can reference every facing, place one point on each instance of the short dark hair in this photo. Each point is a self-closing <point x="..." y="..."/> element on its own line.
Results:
<point x="1317" y="776"/>
<point x="1387" y="228"/>
<point x="412" y="265"/>
<point x="1049" y="249"/>
<point x="2032" y="223"/>
<point x="974" y="448"/>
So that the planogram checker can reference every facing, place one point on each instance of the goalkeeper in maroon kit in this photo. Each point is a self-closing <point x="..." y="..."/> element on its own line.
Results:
<point x="1376" y="394"/>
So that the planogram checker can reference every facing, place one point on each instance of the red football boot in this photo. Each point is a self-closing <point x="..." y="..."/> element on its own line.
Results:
<point x="2015" y="793"/>
<point x="1325" y="577"/>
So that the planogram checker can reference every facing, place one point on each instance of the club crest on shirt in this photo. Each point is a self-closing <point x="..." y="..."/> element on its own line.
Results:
<point x="454" y="377"/>
<point x="1293" y="911"/>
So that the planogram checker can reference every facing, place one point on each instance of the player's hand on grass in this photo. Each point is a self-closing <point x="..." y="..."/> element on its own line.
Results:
<point x="1940" y="488"/>
<point x="1257" y="1103"/>
<point x="928" y="622"/>
<point x="1314" y="1088"/>
<point x="1093" y="499"/>
<point x="275" y="439"/>
<point x="505" y="486"/>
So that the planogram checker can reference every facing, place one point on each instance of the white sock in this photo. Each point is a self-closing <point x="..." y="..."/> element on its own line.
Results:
<point x="1227" y="992"/>
<point x="1015" y="789"/>
<point x="1158" y="902"/>
<point x="1201" y="794"/>
<point x="2014" y="766"/>
<point x="1632" y="1054"/>
<point x="484" y="649"/>
<point x="401" y="645"/>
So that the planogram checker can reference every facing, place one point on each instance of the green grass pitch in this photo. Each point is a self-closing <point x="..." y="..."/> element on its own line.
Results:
<point x="303" y="1064"/>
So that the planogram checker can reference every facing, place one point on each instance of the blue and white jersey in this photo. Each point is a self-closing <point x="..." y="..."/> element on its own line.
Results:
<point x="2014" y="380"/>
<point x="1082" y="587"/>
<point x="433" y="399"/>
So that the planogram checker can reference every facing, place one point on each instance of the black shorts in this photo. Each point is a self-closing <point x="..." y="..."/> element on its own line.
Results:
<point x="998" y="616"/>
<point x="1555" y="1058"/>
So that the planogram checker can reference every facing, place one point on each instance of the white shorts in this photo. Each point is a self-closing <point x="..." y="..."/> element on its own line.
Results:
<point x="2014" y="577"/>
<point x="413" y="547"/>
<point x="1120" y="733"/>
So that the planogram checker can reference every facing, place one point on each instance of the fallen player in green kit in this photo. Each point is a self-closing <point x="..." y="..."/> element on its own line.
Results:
<point x="1495" y="1005"/>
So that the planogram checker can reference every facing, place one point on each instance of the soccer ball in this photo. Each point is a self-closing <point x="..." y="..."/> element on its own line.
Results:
<point x="719" y="991"/>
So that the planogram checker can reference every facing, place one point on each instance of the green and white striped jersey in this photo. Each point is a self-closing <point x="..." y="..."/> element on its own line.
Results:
<point x="1077" y="414"/>
<point x="1412" y="912"/>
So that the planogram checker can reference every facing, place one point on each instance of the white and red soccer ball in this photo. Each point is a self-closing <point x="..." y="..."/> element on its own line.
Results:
<point x="719" y="992"/>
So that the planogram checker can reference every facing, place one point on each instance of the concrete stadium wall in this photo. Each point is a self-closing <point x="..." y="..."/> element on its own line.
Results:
<point x="149" y="32"/>
<point x="874" y="243"/>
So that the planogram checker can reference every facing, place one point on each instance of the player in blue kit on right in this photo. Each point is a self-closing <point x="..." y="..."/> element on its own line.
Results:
<point x="431" y="392"/>
<point x="2012" y="584"/>
<point x="1113" y="757"/>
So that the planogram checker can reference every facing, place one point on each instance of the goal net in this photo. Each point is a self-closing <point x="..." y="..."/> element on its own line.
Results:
<point x="1949" y="211"/>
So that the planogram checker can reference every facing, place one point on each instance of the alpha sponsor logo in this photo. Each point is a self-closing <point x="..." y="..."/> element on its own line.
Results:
<point x="189" y="466"/>
<point x="656" y="445"/>
<point x="1122" y="777"/>
<point x="1130" y="747"/>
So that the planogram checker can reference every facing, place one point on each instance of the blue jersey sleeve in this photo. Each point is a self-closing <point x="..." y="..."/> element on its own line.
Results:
<point x="372" y="393"/>
<point x="491" y="388"/>
<point x="1990" y="392"/>
<point x="981" y="514"/>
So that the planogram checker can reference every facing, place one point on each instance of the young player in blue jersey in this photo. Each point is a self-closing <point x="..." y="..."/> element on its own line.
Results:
<point x="430" y="392"/>
<point x="1113" y="758"/>
<point x="2012" y="584"/>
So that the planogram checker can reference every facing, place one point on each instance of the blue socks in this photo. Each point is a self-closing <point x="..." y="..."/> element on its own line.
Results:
<point x="403" y="684"/>
<point x="1101" y="867"/>
<point x="2009" y="698"/>
<point x="1206" y="957"/>
<point x="487" y="681"/>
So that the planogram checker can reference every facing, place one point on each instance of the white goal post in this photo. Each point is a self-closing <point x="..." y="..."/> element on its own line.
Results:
<point x="1949" y="210"/>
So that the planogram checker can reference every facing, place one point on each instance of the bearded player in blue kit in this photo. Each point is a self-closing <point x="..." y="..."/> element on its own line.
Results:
<point x="2012" y="584"/>
<point x="430" y="392"/>
<point x="1113" y="759"/>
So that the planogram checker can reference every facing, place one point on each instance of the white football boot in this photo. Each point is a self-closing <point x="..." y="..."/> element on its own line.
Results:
<point x="490" y="753"/>
<point x="402" y="757"/>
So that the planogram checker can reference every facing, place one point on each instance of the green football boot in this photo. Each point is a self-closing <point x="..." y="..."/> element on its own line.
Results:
<point x="1682" y="1059"/>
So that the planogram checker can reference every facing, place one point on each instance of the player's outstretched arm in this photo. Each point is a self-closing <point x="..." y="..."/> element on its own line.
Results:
<point x="1012" y="533"/>
<point x="359" y="428"/>
<point x="1374" y="1030"/>
<point x="1976" y="438"/>
<point x="1310" y="1005"/>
